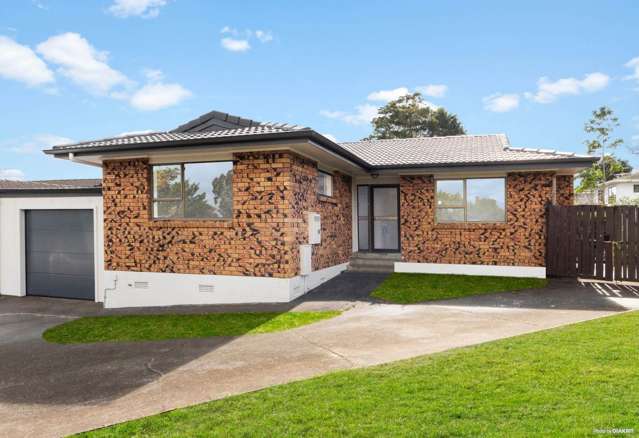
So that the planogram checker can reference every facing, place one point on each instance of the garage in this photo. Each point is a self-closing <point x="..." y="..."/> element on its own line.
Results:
<point x="51" y="239"/>
<point x="60" y="254"/>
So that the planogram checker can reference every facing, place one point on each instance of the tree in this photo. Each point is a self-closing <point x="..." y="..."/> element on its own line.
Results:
<point x="601" y="125"/>
<point x="223" y="193"/>
<point x="409" y="116"/>
<point x="593" y="177"/>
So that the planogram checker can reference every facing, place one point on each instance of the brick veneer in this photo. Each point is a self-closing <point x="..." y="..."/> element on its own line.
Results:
<point x="565" y="190"/>
<point x="270" y="192"/>
<point x="518" y="242"/>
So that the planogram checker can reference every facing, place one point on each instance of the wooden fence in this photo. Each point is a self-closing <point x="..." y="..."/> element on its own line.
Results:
<point x="592" y="241"/>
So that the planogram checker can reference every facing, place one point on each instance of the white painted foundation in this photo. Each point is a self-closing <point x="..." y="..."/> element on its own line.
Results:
<point x="144" y="289"/>
<point x="487" y="270"/>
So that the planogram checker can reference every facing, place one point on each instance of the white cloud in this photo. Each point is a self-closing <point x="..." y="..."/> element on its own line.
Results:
<point x="634" y="65"/>
<point x="35" y="144"/>
<point x="131" y="133"/>
<point x="433" y="90"/>
<point x="153" y="75"/>
<point x="137" y="8"/>
<point x="501" y="103"/>
<point x="388" y="95"/>
<point x="264" y="36"/>
<point x="233" y="45"/>
<point x="363" y="114"/>
<point x="12" y="174"/>
<point x="82" y="63"/>
<point x="548" y="91"/>
<point x="20" y="63"/>
<point x="240" y="41"/>
<point x="156" y="95"/>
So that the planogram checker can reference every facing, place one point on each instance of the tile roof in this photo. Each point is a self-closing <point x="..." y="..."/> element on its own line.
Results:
<point x="52" y="184"/>
<point x="219" y="127"/>
<point x="458" y="149"/>
<point x="162" y="137"/>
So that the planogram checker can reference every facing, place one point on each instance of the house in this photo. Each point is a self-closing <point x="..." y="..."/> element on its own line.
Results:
<point x="229" y="210"/>
<point x="623" y="189"/>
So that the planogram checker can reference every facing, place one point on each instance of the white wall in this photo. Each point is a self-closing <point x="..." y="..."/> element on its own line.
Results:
<point x="624" y="190"/>
<point x="12" y="238"/>
<point x="140" y="289"/>
<point x="486" y="270"/>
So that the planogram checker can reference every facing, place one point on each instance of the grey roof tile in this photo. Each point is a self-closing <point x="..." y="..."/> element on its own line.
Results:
<point x="458" y="149"/>
<point x="51" y="184"/>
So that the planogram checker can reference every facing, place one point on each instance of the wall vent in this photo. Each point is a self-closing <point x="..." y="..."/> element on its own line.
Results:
<point x="141" y="284"/>
<point x="206" y="288"/>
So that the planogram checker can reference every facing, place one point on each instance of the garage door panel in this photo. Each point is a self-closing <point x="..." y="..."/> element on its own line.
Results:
<point x="59" y="253"/>
<point x="62" y="220"/>
<point x="79" y="242"/>
<point x="60" y="263"/>
<point x="61" y="286"/>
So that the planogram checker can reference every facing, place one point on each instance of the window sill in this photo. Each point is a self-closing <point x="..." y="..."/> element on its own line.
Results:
<point x="191" y="223"/>
<point x="324" y="198"/>
<point x="472" y="226"/>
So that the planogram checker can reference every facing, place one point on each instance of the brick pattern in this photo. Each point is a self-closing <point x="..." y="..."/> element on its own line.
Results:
<point x="518" y="242"/>
<point x="565" y="190"/>
<point x="270" y="189"/>
<point x="335" y="211"/>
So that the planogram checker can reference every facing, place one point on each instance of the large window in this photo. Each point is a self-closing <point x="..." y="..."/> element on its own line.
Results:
<point x="471" y="200"/>
<point x="193" y="190"/>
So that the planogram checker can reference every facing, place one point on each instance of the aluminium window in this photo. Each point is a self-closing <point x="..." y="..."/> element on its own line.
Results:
<point x="325" y="183"/>
<point x="193" y="190"/>
<point x="635" y="188"/>
<point x="471" y="200"/>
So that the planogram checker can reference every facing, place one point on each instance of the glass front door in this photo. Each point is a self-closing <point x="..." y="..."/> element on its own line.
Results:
<point x="378" y="218"/>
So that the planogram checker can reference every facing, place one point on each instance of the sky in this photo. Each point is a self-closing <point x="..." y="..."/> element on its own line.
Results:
<point x="73" y="71"/>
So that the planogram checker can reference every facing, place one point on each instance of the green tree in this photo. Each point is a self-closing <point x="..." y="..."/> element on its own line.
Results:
<point x="601" y="126"/>
<point x="223" y="193"/>
<point x="409" y="116"/>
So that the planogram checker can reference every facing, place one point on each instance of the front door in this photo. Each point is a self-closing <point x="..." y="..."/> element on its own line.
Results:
<point x="378" y="218"/>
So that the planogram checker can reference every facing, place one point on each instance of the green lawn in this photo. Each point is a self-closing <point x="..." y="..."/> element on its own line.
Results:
<point x="158" y="327"/>
<point x="566" y="381"/>
<point x="403" y="288"/>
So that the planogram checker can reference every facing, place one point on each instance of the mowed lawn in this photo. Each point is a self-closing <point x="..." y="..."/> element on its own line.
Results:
<point x="162" y="327"/>
<point x="402" y="288"/>
<point x="570" y="381"/>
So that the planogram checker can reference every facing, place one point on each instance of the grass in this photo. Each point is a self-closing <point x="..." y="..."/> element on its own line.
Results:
<point x="403" y="288"/>
<point x="567" y="381"/>
<point x="159" y="327"/>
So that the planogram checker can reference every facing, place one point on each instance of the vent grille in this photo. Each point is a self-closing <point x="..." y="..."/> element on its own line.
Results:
<point x="141" y="284"/>
<point x="206" y="288"/>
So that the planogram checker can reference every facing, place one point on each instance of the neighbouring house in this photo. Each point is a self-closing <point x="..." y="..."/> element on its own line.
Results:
<point x="623" y="189"/>
<point x="229" y="210"/>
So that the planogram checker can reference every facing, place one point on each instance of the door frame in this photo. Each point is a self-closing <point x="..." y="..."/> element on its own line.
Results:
<point x="371" y="234"/>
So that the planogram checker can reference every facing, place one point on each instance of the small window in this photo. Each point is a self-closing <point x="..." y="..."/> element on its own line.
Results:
<point x="471" y="200"/>
<point x="325" y="184"/>
<point x="635" y="188"/>
<point x="193" y="191"/>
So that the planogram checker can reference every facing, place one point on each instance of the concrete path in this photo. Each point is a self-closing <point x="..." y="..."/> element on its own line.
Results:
<point x="54" y="390"/>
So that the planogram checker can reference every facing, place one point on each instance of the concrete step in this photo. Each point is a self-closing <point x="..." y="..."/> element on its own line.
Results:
<point x="378" y="256"/>
<point x="373" y="262"/>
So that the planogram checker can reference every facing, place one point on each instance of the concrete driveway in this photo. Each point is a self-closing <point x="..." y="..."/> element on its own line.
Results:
<point x="53" y="390"/>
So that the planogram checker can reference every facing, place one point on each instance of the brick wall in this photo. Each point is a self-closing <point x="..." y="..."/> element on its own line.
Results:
<point x="260" y="240"/>
<point x="565" y="190"/>
<point x="518" y="242"/>
<point x="335" y="211"/>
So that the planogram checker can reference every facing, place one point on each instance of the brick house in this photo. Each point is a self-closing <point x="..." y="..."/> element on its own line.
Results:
<point x="228" y="210"/>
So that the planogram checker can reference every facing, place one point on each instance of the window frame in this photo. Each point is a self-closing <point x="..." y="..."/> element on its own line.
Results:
<point x="182" y="199"/>
<point x="635" y="188"/>
<point x="330" y="175"/>
<point x="464" y="207"/>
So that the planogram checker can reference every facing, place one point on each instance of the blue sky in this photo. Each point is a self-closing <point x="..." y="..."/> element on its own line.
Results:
<point x="92" y="69"/>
